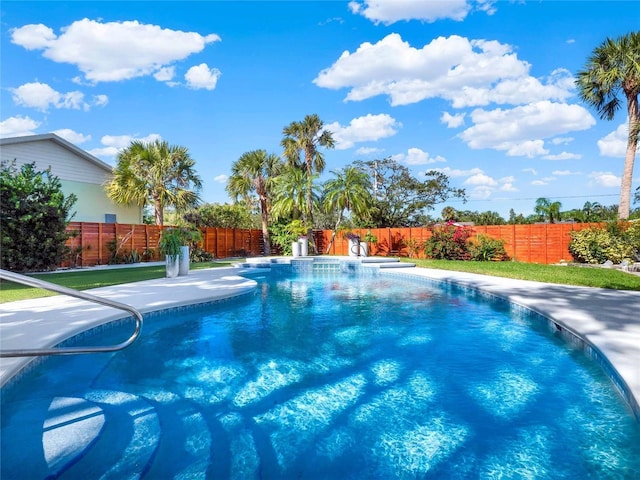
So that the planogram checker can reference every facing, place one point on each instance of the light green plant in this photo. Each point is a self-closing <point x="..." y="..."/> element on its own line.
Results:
<point x="487" y="249"/>
<point x="597" y="245"/>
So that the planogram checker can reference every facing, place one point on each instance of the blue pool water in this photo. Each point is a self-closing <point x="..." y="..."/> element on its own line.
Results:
<point x="325" y="377"/>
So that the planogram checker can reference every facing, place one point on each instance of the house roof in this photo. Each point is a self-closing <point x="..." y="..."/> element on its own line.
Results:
<point x="59" y="141"/>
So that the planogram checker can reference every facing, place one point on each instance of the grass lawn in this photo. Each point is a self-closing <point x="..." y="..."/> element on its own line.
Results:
<point x="85" y="279"/>
<point x="567" y="275"/>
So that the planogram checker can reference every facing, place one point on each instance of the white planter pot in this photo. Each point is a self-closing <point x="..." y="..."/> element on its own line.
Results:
<point x="354" y="251"/>
<point x="183" y="268"/>
<point x="172" y="265"/>
<point x="304" y="246"/>
<point x="295" y="249"/>
<point x="364" y="249"/>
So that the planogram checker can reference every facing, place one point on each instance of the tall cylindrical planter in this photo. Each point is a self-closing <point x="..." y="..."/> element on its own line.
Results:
<point x="304" y="246"/>
<point x="364" y="249"/>
<point x="184" y="261"/>
<point x="354" y="249"/>
<point x="172" y="263"/>
<point x="295" y="249"/>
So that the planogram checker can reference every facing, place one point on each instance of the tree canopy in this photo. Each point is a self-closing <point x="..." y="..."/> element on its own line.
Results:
<point x="157" y="173"/>
<point x="400" y="199"/>
<point x="614" y="69"/>
<point x="252" y="178"/>
<point x="307" y="137"/>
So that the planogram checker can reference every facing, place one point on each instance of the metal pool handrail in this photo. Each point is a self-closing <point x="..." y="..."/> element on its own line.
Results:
<point x="37" y="352"/>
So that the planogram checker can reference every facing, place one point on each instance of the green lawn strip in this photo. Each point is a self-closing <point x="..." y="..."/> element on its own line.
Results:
<point x="86" y="279"/>
<point x="567" y="275"/>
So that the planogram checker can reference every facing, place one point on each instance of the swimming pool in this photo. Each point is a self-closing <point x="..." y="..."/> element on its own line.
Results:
<point x="325" y="376"/>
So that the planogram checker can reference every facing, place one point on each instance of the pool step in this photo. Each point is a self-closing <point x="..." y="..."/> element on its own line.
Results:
<point x="126" y="444"/>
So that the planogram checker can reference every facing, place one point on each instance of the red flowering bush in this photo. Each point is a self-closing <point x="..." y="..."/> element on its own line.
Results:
<point x="448" y="242"/>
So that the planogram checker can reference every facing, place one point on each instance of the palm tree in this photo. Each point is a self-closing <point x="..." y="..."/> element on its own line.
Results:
<point x="548" y="210"/>
<point x="614" y="66"/>
<point x="449" y="214"/>
<point x="591" y="211"/>
<point x="254" y="172"/>
<point x="156" y="173"/>
<point x="306" y="137"/>
<point x="349" y="190"/>
<point x="290" y="194"/>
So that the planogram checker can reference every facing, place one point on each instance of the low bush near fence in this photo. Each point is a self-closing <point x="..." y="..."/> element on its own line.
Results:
<point x="456" y="242"/>
<point x="487" y="249"/>
<point x="448" y="242"/>
<point x="614" y="242"/>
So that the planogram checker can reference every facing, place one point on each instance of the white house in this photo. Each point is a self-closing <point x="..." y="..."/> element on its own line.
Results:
<point x="79" y="172"/>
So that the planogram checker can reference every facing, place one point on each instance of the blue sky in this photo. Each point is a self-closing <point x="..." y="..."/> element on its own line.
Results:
<point x="481" y="90"/>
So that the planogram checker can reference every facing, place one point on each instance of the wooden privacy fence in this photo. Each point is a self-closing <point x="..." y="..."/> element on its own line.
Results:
<point x="543" y="243"/>
<point x="96" y="242"/>
<point x="538" y="243"/>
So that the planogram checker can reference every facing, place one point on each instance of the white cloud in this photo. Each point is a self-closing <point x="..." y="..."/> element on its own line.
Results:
<point x="114" y="143"/>
<point x="481" y="179"/>
<point x="562" y="173"/>
<point x="481" y="192"/>
<point x="391" y="11"/>
<point x="112" y="51"/>
<point x="615" y="144"/>
<point x="452" y="121"/>
<point x="165" y="74"/>
<point x="416" y="156"/>
<point x="563" y="156"/>
<point x="41" y="97"/>
<point x="508" y="187"/>
<point x="539" y="183"/>
<point x="562" y="140"/>
<point x="369" y="150"/>
<point x="18" y="126"/>
<point x="201" y="76"/>
<point x="221" y="178"/>
<point x="100" y="100"/>
<point x="72" y="136"/>
<point x="605" y="179"/>
<point x="465" y="72"/>
<point x="456" y="172"/>
<point x="368" y="128"/>
<point x="512" y="130"/>
<point x="532" y="171"/>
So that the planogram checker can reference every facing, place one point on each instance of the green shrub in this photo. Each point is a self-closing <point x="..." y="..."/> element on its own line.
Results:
<point x="598" y="244"/>
<point x="199" y="255"/>
<point x="487" y="249"/>
<point x="34" y="216"/>
<point x="448" y="242"/>
<point x="283" y="235"/>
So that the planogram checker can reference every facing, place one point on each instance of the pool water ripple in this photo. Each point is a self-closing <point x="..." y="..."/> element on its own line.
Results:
<point x="331" y="376"/>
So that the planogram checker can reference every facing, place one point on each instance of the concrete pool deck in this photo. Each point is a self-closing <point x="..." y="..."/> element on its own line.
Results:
<point x="609" y="320"/>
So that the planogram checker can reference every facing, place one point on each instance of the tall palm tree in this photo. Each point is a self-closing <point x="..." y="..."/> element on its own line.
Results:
<point x="156" y="173"/>
<point x="613" y="67"/>
<point x="350" y="190"/>
<point x="306" y="137"/>
<point x="254" y="172"/>
<point x="290" y="194"/>
<point x="548" y="210"/>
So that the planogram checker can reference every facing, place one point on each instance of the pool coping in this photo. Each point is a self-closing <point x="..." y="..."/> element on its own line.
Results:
<point x="608" y="320"/>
